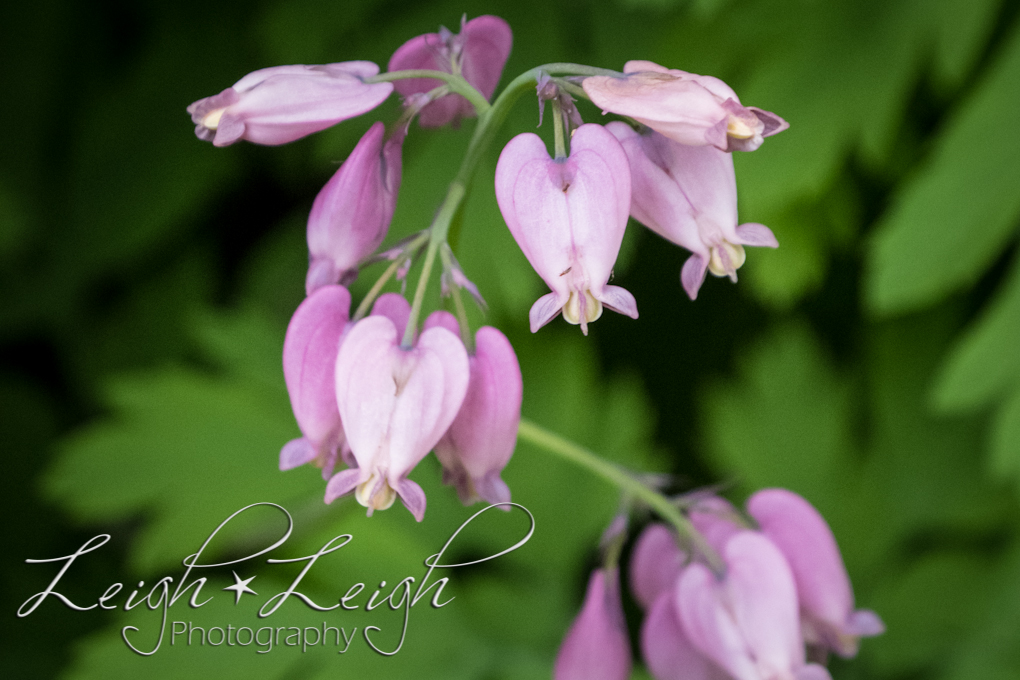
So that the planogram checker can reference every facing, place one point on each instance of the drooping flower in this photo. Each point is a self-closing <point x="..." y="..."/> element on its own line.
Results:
<point x="482" y="438"/>
<point x="568" y="215"/>
<point x="655" y="563"/>
<point x="395" y="404"/>
<point x="823" y="586"/>
<point x="688" y="195"/>
<point x="668" y="653"/>
<point x="747" y="621"/>
<point x="352" y="213"/>
<point x="478" y="53"/>
<point x="283" y="103"/>
<point x="309" y="360"/>
<point x="596" y="646"/>
<point x="688" y="108"/>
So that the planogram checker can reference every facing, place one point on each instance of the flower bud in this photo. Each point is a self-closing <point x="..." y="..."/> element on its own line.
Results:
<point x="482" y="437"/>
<point x="596" y="646"/>
<point x="655" y="563"/>
<point x="690" y="109"/>
<point x="823" y="586"/>
<point x="309" y="359"/>
<point x="283" y="103"/>
<point x="352" y="213"/>
<point x="478" y="53"/>
<point x="668" y="653"/>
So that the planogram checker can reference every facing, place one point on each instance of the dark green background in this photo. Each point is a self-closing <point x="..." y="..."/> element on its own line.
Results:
<point x="871" y="363"/>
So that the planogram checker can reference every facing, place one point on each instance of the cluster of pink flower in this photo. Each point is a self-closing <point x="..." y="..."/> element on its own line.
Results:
<point x="783" y="596"/>
<point x="359" y="394"/>
<point x="373" y="392"/>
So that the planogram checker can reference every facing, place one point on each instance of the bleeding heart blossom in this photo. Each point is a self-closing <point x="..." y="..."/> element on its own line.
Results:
<point x="478" y="53"/>
<point x="688" y="108"/>
<point x="352" y="213"/>
<point x="823" y="586"/>
<point x="747" y="621"/>
<point x="482" y="438"/>
<point x="283" y="103"/>
<point x="655" y="563"/>
<point x="309" y="360"/>
<point x="668" y="653"/>
<point x="688" y="195"/>
<point x="568" y="215"/>
<point x="395" y="404"/>
<point x="596" y="646"/>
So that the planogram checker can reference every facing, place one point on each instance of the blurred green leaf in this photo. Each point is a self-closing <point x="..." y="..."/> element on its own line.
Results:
<point x="179" y="441"/>
<point x="985" y="362"/>
<point x="950" y="223"/>
<point x="1005" y="445"/>
<point x="927" y="611"/>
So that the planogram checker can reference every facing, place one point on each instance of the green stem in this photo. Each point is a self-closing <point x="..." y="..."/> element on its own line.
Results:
<point x="619" y="477"/>
<point x="456" y="83"/>
<point x="560" y="144"/>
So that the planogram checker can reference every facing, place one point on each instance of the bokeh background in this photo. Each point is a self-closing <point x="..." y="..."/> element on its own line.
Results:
<point x="871" y="363"/>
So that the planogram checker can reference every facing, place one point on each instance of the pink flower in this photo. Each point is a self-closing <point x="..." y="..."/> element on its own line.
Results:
<point x="478" y="53"/>
<point x="687" y="108"/>
<point x="568" y="216"/>
<point x="352" y="213"/>
<point x="596" y="646"/>
<point x="395" y="404"/>
<point x="823" y="586"/>
<point x="655" y="563"/>
<point x="747" y="622"/>
<point x="716" y="519"/>
<point x="688" y="195"/>
<point x="283" y="103"/>
<point x="668" y="653"/>
<point x="482" y="437"/>
<point x="309" y="358"/>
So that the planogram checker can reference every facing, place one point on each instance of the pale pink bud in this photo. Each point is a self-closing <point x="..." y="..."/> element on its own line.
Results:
<point x="394" y="307"/>
<point x="668" y="653"/>
<point x="568" y="216"/>
<point x="596" y="646"/>
<point x="823" y="586"/>
<point x="478" y="53"/>
<point x="309" y="360"/>
<point x="482" y="438"/>
<point x="655" y="563"/>
<point x="395" y="404"/>
<point x="688" y="195"/>
<point x="352" y="213"/>
<point x="688" y="108"/>
<point x="283" y="103"/>
<point x="747" y="622"/>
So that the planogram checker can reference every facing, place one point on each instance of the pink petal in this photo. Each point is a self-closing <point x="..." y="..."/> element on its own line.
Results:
<point x="596" y="646"/>
<point x="655" y="563"/>
<point x="693" y="274"/>
<point x="395" y="308"/>
<point x="668" y="653"/>
<point x="754" y="234"/>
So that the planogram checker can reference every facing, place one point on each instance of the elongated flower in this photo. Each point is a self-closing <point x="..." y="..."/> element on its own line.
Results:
<point x="596" y="646"/>
<point x="482" y="437"/>
<point x="395" y="404"/>
<point x="655" y="563"/>
<point x="746" y="622"/>
<point x="352" y="213"/>
<point x="688" y="108"/>
<point x="478" y="53"/>
<point x="668" y="653"/>
<point x="688" y="195"/>
<point x="823" y="586"/>
<point x="568" y="215"/>
<point x="309" y="360"/>
<point x="283" y="103"/>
